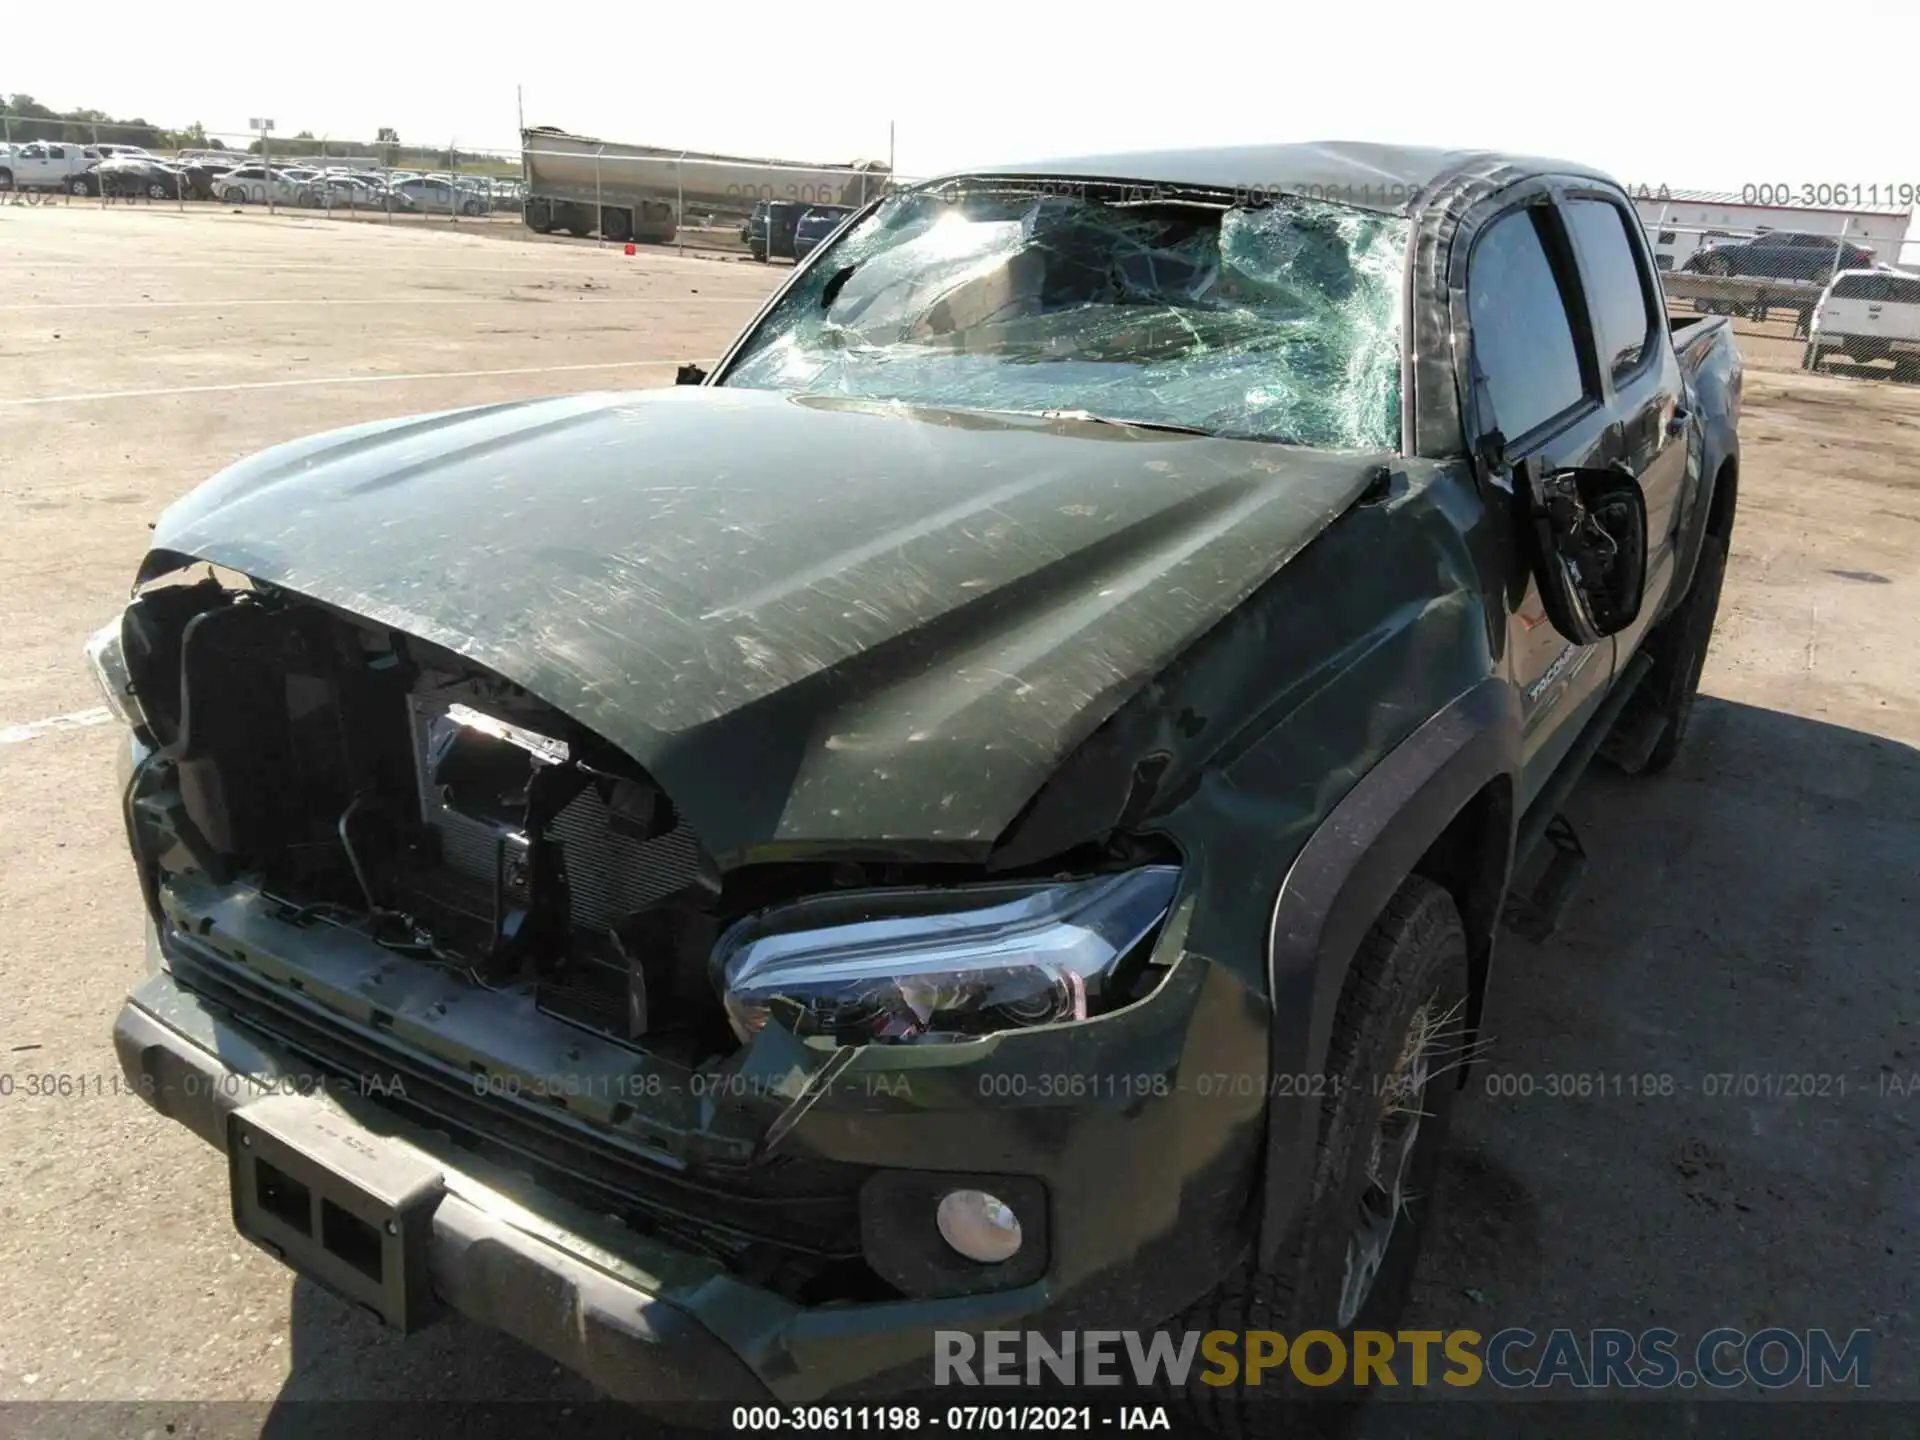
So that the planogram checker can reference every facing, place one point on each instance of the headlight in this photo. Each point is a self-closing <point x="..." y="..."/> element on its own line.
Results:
<point x="902" y="965"/>
<point x="108" y="661"/>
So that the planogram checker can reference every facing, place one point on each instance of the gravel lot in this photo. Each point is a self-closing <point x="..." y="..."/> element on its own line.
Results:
<point x="1750" y="914"/>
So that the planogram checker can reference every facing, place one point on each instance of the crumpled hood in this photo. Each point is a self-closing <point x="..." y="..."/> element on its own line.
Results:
<point x="812" y="620"/>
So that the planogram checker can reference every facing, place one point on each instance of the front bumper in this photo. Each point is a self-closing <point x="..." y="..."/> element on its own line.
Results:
<point x="489" y="1258"/>
<point x="648" y="1321"/>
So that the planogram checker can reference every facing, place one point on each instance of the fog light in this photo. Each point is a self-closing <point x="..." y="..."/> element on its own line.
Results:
<point x="978" y="1225"/>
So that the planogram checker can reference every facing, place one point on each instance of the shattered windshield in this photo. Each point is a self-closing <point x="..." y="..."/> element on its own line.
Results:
<point x="1272" y="322"/>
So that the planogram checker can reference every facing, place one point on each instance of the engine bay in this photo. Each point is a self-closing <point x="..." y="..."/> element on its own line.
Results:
<point x="375" y="782"/>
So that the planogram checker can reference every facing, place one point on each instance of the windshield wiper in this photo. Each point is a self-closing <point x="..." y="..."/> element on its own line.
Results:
<point x="1167" y="426"/>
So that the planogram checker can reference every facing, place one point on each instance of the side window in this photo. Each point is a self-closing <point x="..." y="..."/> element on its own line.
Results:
<point x="1902" y="290"/>
<point x="56" y="152"/>
<point x="1860" y="287"/>
<point x="1623" y="317"/>
<point x="1521" y="335"/>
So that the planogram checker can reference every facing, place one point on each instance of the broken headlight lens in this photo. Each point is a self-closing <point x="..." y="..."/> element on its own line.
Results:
<point x="902" y="965"/>
<point x="107" y="659"/>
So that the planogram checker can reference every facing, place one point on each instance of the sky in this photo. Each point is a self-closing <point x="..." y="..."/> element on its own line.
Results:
<point x="1667" y="93"/>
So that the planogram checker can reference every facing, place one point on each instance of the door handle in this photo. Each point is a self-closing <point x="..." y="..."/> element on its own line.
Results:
<point x="1677" y="422"/>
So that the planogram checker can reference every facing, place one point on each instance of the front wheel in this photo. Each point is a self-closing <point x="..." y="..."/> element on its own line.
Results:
<point x="1398" y="1037"/>
<point x="80" y="185"/>
<point x="157" y="191"/>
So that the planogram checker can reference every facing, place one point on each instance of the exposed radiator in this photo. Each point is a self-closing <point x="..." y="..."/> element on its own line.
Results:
<point x="608" y="874"/>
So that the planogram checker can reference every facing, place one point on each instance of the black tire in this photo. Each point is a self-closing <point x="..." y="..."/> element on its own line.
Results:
<point x="6" y="178"/>
<point x="80" y="185"/>
<point x="1408" y="978"/>
<point x="539" y="214"/>
<point x="157" y="191"/>
<point x="616" y="224"/>
<point x="1679" y="651"/>
<point x="234" y="195"/>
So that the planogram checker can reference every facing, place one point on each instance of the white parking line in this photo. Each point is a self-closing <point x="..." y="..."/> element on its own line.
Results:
<point x="54" y="724"/>
<point x="330" y="380"/>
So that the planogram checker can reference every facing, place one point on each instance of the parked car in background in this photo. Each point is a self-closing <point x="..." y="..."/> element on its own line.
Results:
<point x="255" y="185"/>
<point x="430" y="195"/>
<point x="201" y="173"/>
<point x="1782" y="255"/>
<point x="1868" y="315"/>
<point x="350" y="192"/>
<point x="49" y="165"/>
<point x="111" y="152"/>
<point x="770" y="229"/>
<point x="816" y="224"/>
<point x="129" y="175"/>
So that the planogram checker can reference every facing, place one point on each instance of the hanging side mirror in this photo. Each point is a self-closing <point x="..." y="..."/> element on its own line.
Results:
<point x="1587" y="533"/>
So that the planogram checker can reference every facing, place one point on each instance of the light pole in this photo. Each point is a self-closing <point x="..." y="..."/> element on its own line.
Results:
<point x="264" y="129"/>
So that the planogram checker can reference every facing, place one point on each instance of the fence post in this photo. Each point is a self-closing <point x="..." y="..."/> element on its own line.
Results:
<point x="599" y="232"/>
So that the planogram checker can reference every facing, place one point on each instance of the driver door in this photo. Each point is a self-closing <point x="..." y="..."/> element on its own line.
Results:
<point x="1535" y="380"/>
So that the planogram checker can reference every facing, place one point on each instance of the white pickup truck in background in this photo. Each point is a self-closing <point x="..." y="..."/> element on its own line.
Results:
<point x="1868" y="315"/>
<point x="47" y="165"/>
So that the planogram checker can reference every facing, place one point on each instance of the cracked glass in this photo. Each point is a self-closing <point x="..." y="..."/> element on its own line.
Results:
<point x="1278" y="322"/>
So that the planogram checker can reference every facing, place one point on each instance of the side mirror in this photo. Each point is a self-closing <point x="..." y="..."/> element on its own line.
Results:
<point x="1587" y="530"/>
<point x="689" y="375"/>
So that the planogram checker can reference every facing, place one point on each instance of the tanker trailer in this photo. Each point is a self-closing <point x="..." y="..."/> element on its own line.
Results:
<point x="585" y="186"/>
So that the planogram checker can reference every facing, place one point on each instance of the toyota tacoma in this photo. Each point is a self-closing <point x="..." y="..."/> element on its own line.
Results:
<point x="989" y="808"/>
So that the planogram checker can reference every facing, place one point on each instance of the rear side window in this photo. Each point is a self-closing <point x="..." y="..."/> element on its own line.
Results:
<point x="1860" y="287"/>
<point x="1903" y="290"/>
<point x="1522" y="338"/>
<point x="1616" y="295"/>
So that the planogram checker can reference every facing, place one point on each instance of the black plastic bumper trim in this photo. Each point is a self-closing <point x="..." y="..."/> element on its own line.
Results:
<point x="631" y="1344"/>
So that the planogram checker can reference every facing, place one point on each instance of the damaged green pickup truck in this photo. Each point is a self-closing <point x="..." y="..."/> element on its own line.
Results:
<point x="991" y="809"/>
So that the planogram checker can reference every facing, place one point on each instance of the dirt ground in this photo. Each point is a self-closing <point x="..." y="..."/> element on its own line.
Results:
<point x="1750" y="916"/>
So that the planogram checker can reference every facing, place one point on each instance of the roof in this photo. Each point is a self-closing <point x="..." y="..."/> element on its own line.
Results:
<point x="1386" y="178"/>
